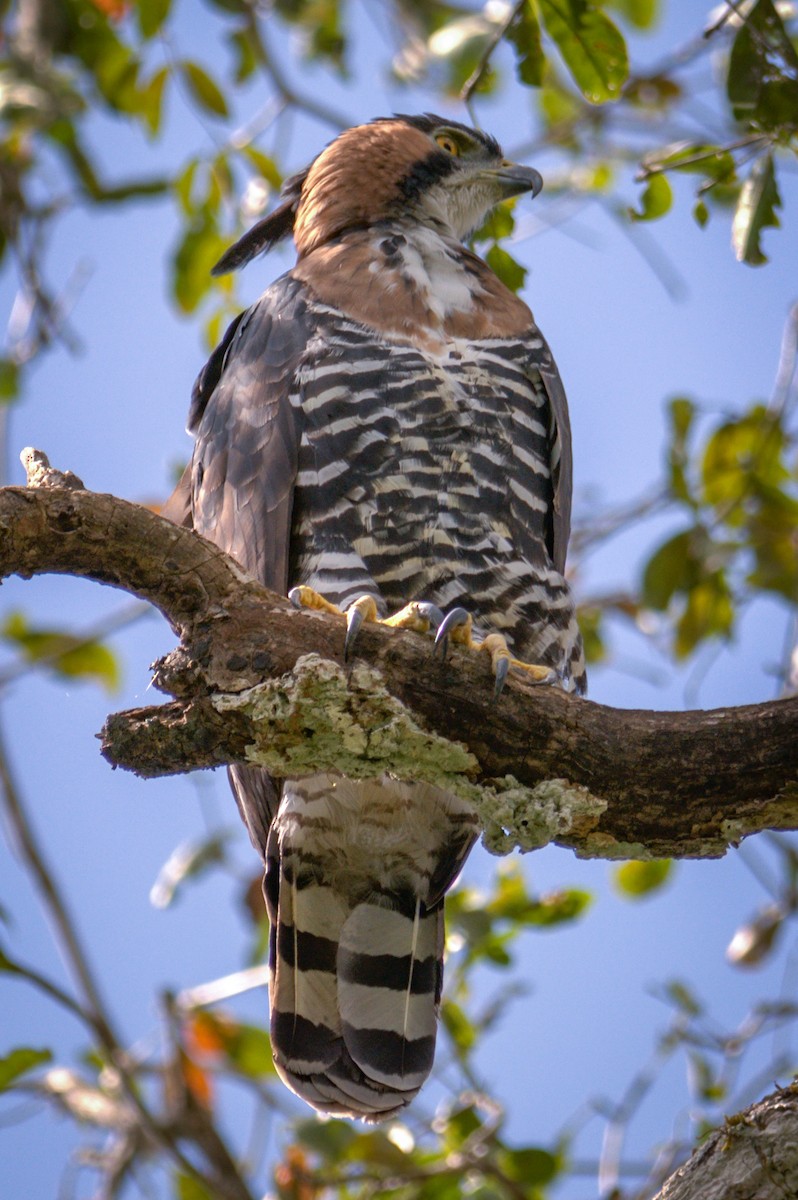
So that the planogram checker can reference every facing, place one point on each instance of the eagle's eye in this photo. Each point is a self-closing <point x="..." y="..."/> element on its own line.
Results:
<point x="447" y="143"/>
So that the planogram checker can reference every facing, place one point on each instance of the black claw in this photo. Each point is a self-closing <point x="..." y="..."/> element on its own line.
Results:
<point x="501" y="675"/>
<point x="452" y="620"/>
<point x="294" y="597"/>
<point x="354" y="622"/>
<point x="430" y="612"/>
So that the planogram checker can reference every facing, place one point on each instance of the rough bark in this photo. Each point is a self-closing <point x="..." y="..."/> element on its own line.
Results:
<point x="539" y="764"/>
<point x="754" y="1156"/>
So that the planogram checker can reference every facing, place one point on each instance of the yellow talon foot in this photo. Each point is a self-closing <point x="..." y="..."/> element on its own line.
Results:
<point x="502" y="660"/>
<point x="418" y="615"/>
<point x="457" y="625"/>
<point x="307" y="597"/>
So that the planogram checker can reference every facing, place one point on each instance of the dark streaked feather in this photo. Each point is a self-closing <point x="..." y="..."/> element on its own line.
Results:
<point x="266" y="233"/>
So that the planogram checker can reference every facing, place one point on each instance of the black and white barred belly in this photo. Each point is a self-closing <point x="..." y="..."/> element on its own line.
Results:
<point x="429" y="477"/>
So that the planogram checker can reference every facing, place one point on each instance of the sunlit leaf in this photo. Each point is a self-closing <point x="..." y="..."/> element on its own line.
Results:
<point x="461" y="1030"/>
<point x="762" y="83"/>
<point x="330" y="1139"/>
<point x="591" y="621"/>
<point x="152" y="100"/>
<point x="243" y="47"/>
<point x="199" y="249"/>
<point x="530" y="1165"/>
<point x="524" y="34"/>
<point x="700" y="213"/>
<point x="667" y="570"/>
<point x="640" y="13"/>
<point x="9" y="380"/>
<point x="655" y="201"/>
<point x="187" y="1187"/>
<point x="708" y="612"/>
<point x="18" y="1062"/>
<point x="641" y="878"/>
<point x="204" y="90"/>
<point x="756" y="210"/>
<point x="683" y="998"/>
<point x="62" y="653"/>
<point x="682" y="413"/>
<point x="696" y="158"/>
<point x="592" y="47"/>
<point x="511" y="273"/>
<point x="151" y="15"/>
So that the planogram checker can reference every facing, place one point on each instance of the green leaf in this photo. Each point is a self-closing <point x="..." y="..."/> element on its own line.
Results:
<point x="524" y="34"/>
<point x="151" y="100"/>
<point x="187" y="1187"/>
<point x="151" y="15"/>
<point x="655" y="201"/>
<point x="330" y="1139"/>
<point x="266" y="166"/>
<point x="9" y="380"/>
<point x="640" y="13"/>
<point x="762" y="83"/>
<point x="667" y="570"/>
<point x="591" y="45"/>
<point x="682" y="413"/>
<point x="680" y="995"/>
<point x="63" y="653"/>
<point x="530" y="1165"/>
<point x="244" y="50"/>
<point x="200" y="247"/>
<point x="511" y="273"/>
<point x="591" y="621"/>
<point x="693" y="158"/>
<point x="636" y="879"/>
<point x="708" y="612"/>
<point x="248" y="1050"/>
<point x="756" y="210"/>
<point x="700" y="213"/>
<point x="460" y="1029"/>
<point x="19" y="1062"/>
<point x="206" y="93"/>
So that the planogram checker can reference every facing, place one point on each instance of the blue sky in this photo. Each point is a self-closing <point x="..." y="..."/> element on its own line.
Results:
<point x="115" y="414"/>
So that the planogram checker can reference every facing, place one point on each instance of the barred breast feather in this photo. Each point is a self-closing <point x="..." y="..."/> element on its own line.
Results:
<point x="342" y="446"/>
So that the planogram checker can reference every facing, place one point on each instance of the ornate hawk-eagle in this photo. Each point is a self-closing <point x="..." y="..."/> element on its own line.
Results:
<point x="384" y="431"/>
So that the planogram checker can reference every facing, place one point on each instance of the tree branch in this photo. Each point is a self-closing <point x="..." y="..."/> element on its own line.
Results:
<point x="753" y="1155"/>
<point x="256" y="680"/>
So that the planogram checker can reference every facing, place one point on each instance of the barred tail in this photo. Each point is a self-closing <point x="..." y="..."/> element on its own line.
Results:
<point x="354" y="989"/>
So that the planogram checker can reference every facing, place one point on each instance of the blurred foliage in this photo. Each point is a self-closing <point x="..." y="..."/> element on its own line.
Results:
<point x="63" y="653"/>
<point x="731" y="483"/>
<point x="737" y="488"/>
<point x="640" y="878"/>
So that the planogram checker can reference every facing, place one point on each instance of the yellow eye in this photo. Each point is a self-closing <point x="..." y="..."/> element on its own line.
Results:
<point x="447" y="143"/>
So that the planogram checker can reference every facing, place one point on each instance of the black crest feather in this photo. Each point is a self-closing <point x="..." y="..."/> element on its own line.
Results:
<point x="266" y="233"/>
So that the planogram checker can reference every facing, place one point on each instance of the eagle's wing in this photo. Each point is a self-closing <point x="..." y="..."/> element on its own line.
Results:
<point x="238" y="489"/>
<point x="247" y="434"/>
<point x="542" y="432"/>
<point x="561" y="459"/>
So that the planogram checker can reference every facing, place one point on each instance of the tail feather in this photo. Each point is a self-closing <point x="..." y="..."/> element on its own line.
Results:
<point x="356" y="944"/>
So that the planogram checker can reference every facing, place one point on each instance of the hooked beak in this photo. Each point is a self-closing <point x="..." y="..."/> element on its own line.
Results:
<point x="514" y="179"/>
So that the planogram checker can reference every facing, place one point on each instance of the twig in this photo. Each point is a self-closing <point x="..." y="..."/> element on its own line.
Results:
<point x="322" y="112"/>
<point x="474" y="79"/>
<point x="57" y="910"/>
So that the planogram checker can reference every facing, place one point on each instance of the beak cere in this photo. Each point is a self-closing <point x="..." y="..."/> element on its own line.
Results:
<point x="514" y="179"/>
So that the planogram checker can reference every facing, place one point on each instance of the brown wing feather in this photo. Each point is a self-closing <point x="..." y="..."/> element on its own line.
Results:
<point x="238" y="489"/>
<point x="247" y="435"/>
<point x="562" y="467"/>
